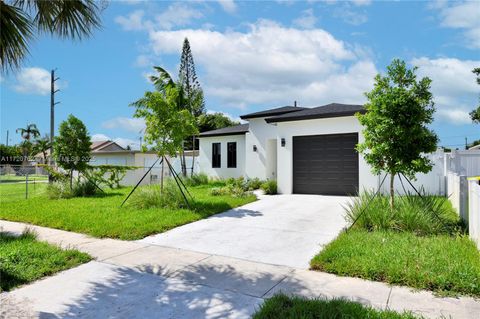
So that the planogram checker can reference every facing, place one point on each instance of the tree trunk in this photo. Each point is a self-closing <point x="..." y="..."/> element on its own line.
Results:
<point x="392" y="191"/>
<point x="193" y="154"/>
<point x="161" y="177"/>
<point x="184" y="168"/>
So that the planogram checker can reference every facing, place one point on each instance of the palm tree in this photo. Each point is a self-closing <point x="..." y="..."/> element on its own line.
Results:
<point x="29" y="131"/>
<point x="20" y="20"/>
<point x="42" y="145"/>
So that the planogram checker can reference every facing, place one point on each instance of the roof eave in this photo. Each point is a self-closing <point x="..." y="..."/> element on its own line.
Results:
<point x="222" y="134"/>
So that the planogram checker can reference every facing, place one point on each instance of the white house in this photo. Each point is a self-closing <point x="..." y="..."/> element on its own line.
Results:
<point x="307" y="150"/>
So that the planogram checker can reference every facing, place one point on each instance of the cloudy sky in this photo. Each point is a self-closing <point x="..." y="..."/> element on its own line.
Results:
<point x="251" y="56"/>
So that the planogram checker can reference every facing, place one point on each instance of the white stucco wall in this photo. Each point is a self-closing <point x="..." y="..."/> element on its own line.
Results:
<point x="336" y="125"/>
<point x="205" y="156"/>
<point x="257" y="162"/>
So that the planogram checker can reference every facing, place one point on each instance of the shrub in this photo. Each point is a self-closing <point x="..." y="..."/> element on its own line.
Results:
<point x="253" y="184"/>
<point x="422" y="215"/>
<point x="229" y="189"/>
<point x="84" y="188"/>
<point x="197" y="179"/>
<point x="60" y="189"/>
<point x="151" y="196"/>
<point x="270" y="187"/>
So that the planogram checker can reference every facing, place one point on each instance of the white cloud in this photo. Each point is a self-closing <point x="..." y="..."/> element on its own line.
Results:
<point x="177" y="14"/>
<point x="34" y="81"/>
<point x="228" y="5"/>
<point x="464" y="16"/>
<point x="125" y="123"/>
<point x="458" y="117"/>
<point x="361" y="2"/>
<point x="271" y="64"/>
<point x="143" y="61"/>
<point x="454" y="86"/>
<point x="132" y="22"/>
<point x="307" y="20"/>
<point x="350" y="16"/>
<point x="99" y="138"/>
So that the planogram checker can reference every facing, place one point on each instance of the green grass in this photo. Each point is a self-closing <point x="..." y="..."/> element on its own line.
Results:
<point x="22" y="178"/>
<point x="285" y="307"/>
<point x="101" y="216"/>
<point x="16" y="191"/>
<point x="446" y="264"/>
<point x="23" y="259"/>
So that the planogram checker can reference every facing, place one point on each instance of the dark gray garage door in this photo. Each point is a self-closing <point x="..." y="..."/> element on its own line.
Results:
<point x="325" y="164"/>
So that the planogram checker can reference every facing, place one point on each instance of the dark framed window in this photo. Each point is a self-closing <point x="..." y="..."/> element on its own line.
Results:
<point x="216" y="155"/>
<point x="232" y="154"/>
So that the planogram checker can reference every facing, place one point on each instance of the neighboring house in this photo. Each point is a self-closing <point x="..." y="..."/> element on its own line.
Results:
<point x="110" y="153"/>
<point x="476" y="147"/>
<point x="306" y="150"/>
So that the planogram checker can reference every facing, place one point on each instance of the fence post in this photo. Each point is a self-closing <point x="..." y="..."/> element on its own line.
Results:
<point x="26" y="186"/>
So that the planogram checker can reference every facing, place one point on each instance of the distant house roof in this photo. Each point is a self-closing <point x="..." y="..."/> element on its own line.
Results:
<point x="475" y="147"/>
<point x="272" y="112"/>
<point x="324" y="111"/>
<point x="105" y="146"/>
<point x="231" y="130"/>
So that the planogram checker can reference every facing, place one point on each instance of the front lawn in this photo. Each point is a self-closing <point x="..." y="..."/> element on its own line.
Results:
<point x="445" y="264"/>
<point x="23" y="259"/>
<point x="420" y="244"/>
<point x="101" y="215"/>
<point x="285" y="307"/>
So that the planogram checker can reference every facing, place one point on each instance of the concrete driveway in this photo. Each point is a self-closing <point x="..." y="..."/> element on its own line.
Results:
<point x="282" y="230"/>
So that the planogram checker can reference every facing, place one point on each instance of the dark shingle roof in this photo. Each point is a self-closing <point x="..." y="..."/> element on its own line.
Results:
<point x="232" y="130"/>
<point x="324" y="111"/>
<point x="272" y="112"/>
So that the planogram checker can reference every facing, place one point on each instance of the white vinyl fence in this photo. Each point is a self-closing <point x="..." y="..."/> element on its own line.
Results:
<point x="457" y="192"/>
<point x="474" y="211"/>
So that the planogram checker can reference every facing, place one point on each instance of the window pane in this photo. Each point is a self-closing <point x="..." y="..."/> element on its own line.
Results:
<point x="216" y="155"/>
<point x="232" y="154"/>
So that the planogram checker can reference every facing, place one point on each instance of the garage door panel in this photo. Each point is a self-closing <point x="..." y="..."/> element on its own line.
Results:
<point x="325" y="164"/>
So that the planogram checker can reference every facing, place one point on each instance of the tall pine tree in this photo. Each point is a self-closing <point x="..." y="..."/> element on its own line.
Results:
<point x="195" y="103"/>
<point x="189" y="81"/>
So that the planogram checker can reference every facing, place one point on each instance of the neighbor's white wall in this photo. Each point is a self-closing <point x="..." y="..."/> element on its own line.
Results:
<point x="205" y="156"/>
<point x="257" y="162"/>
<point x="337" y="125"/>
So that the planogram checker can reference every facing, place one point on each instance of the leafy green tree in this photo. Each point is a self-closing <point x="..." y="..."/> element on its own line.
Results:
<point x="71" y="147"/>
<point x="11" y="154"/>
<point x="398" y="110"/>
<point x="475" y="114"/>
<point x="42" y="145"/>
<point x="214" y="121"/>
<point x="166" y="125"/>
<point x="20" y="20"/>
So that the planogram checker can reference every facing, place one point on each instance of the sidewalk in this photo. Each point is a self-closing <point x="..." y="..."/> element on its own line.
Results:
<point x="138" y="280"/>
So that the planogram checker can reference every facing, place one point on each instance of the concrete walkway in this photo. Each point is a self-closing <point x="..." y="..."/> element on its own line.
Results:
<point x="284" y="230"/>
<point x="137" y="280"/>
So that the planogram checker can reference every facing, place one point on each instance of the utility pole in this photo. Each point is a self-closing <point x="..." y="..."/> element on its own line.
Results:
<point x="7" y="138"/>
<point x="466" y="144"/>
<point x="52" y="110"/>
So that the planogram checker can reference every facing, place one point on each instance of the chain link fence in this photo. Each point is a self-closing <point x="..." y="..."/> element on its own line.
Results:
<point x="22" y="181"/>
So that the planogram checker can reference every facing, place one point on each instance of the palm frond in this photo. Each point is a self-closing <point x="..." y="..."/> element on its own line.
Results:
<point x="16" y="31"/>
<point x="163" y="79"/>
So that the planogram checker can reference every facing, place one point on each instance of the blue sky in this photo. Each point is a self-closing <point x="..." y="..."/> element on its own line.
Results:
<point x="251" y="56"/>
